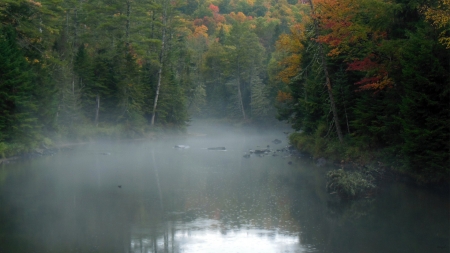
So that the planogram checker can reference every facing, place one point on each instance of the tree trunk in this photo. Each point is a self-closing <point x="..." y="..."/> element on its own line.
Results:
<point x="327" y="78"/>
<point x="161" y="61"/>
<point x="97" y="110"/>
<point x="241" y="102"/>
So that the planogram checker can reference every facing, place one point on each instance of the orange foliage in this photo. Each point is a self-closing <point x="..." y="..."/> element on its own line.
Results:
<point x="284" y="96"/>
<point x="201" y="31"/>
<point x="336" y="18"/>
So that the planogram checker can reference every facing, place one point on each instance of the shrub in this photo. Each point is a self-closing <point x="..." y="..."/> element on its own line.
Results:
<point x="349" y="185"/>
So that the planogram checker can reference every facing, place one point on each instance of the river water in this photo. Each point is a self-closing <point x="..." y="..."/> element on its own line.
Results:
<point x="147" y="196"/>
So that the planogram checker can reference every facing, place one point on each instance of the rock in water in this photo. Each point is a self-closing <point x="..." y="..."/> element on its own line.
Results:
<point x="261" y="151"/>
<point x="181" y="146"/>
<point x="217" y="148"/>
<point x="276" y="141"/>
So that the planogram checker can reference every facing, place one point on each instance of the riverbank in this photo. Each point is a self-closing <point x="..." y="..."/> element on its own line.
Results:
<point x="360" y="169"/>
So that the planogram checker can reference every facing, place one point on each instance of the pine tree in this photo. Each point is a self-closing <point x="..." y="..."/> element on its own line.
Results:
<point x="425" y="107"/>
<point x="17" y="103"/>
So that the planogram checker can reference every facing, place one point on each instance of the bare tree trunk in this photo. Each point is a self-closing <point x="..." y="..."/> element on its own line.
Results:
<point x="161" y="61"/>
<point x="327" y="77"/>
<point x="241" y="102"/>
<point x="97" y="110"/>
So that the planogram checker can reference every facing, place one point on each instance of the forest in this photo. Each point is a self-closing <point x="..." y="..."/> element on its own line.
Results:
<point x="359" y="81"/>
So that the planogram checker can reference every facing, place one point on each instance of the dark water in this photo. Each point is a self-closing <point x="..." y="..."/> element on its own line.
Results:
<point x="149" y="197"/>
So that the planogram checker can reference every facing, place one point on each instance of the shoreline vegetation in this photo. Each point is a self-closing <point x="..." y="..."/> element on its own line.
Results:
<point x="358" y="172"/>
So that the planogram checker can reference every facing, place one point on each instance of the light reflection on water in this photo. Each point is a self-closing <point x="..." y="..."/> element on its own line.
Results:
<point x="207" y="235"/>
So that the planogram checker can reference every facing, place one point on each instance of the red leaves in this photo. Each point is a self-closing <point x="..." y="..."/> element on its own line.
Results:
<point x="198" y="22"/>
<point x="377" y="76"/>
<point x="213" y="8"/>
<point x="365" y="64"/>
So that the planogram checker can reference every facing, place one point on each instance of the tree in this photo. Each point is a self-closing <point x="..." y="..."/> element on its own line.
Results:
<point x="327" y="78"/>
<point x="424" y="108"/>
<point x="161" y="60"/>
<point x="17" y="105"/>
<point x="245" y="57"/>
<point x="439" y="16"/>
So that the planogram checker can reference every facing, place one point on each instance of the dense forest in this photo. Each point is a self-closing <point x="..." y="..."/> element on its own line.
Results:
<point x="358" y="80"/>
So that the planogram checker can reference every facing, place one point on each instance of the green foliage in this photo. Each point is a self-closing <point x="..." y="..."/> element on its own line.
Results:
<point x="3" y="149"/>
<point x="172" y="109"/>
<point x="424" y="108"/>
<point x="261" y="107"/>
<point x="17" y="103"/>
<point x="350" y="184"/>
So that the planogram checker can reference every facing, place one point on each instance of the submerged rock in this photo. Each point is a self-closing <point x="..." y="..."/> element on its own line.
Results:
<point x="261" y="151"/>
<point x="276" y="141"/>
<point x="217" y="148"/>
<point x="181" y="146"/>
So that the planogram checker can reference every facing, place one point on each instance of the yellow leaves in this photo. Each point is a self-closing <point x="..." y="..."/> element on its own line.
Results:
<point x="291" y="65"/>
<point x="240" y="17"/>
<point x="439" y="17"/>
<point x="37" y="4"/>
<point x="34" y="61"/>
<point x="290" y="46"/>
<point x="201" y="31"/>
<point x="444" y="40"/>
<point x="226" y="28"/>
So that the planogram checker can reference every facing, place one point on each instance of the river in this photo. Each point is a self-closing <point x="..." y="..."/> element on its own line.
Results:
<point x="147" y="196"/>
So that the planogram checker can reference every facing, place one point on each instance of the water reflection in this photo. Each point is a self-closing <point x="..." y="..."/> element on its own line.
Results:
<point x="199" y="200"/>
<point x="207" y="235"/>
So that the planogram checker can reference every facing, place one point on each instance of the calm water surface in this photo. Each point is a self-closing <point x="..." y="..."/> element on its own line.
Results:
<point x="147" y="196"/>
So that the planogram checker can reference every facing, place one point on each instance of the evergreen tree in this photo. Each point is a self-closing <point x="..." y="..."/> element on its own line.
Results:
<point x="17" y="104"/>
<point x="425" y="107"/>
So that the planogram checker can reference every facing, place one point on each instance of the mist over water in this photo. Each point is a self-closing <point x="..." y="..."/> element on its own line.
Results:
<point x="148" y="196"/>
